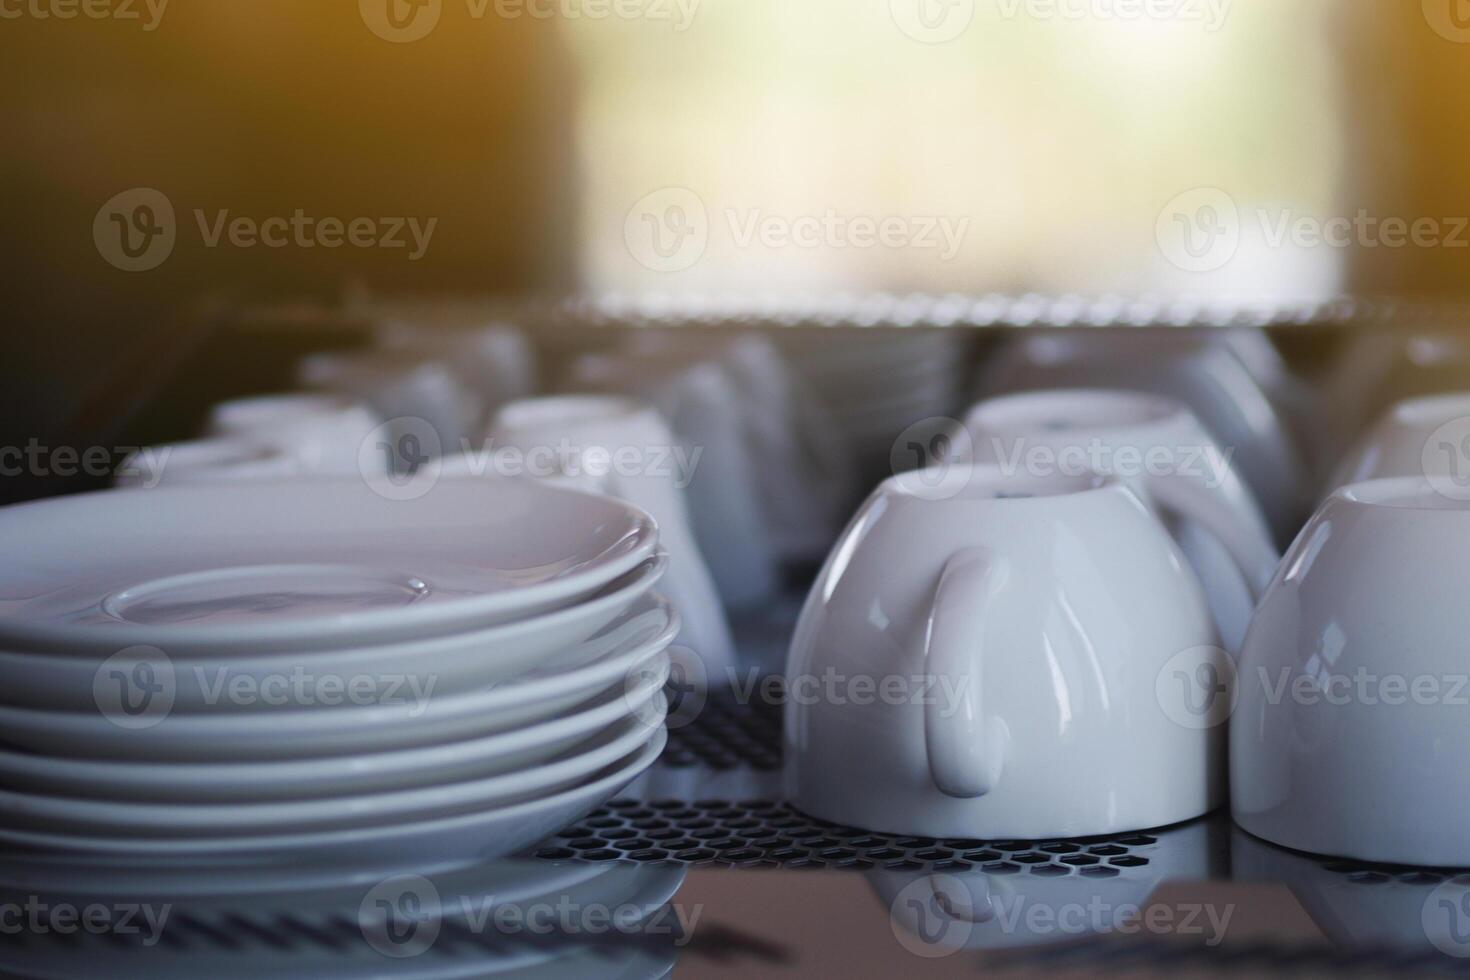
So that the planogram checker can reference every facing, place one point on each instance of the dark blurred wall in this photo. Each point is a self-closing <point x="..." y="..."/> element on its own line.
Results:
<point x="1406" y="73"/>
<point x="260" y="108"/>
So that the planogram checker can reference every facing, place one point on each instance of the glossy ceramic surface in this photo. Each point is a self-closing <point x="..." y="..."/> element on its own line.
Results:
<point x="537" y="767"/>
<point x="484" y="834"/>
<point x="343" y="731"/>
<point x="1349" y="736"/>
<point x="1419" y="437"/>
<point x="454" y="663"/>
<point x="1159" y="448"/>
<point x="1203" y="373"/>
<point x="325" y="434"/>
<point x="595" y="431"/>
<point x="1023" y="623"/>
<point x="585" y="735"/>
<point x="246" y="568"/>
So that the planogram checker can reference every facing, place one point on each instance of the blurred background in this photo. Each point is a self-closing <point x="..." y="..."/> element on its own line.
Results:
<point x="550" y="147"/>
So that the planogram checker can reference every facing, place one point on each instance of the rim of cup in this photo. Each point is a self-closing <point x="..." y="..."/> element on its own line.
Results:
<point x="992" y="483"/>
<point x="265" y="411"/>
<point x="1073" y="410"/>
<point x="1400" y="493"/>
<point x="566" y="410"/>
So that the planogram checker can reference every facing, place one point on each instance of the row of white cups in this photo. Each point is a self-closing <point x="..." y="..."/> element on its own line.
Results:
<point x="1092" y="631"/>
<point x="1076" y="623"/>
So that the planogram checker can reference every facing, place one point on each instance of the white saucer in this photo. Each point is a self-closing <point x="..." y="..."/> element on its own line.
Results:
<point x="485" y="834"/>
<point x="313" y="778"/>
<point x="346" y="731"/>
<point x="298" y="816"/>
<point x="454" y="662"/>
<point x="329" y="562"/>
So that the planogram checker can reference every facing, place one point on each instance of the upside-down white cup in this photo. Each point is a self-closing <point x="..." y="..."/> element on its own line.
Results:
<point x="325" y="433"/>
<point x="708" y="413"/>
<point x="1206" y="374"/>
<point x="984" y="664"/>
<point x="1349" y="736"/>
<point x="584" y="438"/>
<point x="1160" y="449"/>
<point x="1418" y="437"/>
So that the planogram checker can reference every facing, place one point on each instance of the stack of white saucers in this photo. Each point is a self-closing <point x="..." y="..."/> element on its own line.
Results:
<point x="313" y="667"/>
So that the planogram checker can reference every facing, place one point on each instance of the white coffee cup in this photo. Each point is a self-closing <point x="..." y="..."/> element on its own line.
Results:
<point x="497" y="363"/>
<point x="428" y="411"/>
<point x="324" y="432"/>
<point x="622" y="447"/>
<point x="1013" y="630"/>
<point x="806" y="475"/>
<point x="1158" y="447"/>
<point x="1419" y="437"/>
<point x="1349" y="736"/>
<point x="1207" y="375"/>
<point x="706" y="411"/>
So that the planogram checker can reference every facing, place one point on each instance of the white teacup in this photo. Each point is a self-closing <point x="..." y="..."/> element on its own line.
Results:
<point x="496" y="362"/>
<point x="1349" y="736"/>
<point x="707" y="412"/>
<point x="1419" y="437"/>
<point x="985" y="665"/>
<point x="325" y="433"/>
<point x="1206" y="374"/>
<point x="1159" y="448"/>
<point x="622" y="447"/>
<point x="429" y="412"/>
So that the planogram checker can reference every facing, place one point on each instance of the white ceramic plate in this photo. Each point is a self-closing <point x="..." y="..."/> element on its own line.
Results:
<point x="641" y="712"/>
<point x="309" y="779"/>
<point x="453" y="663"/>
<point x="483" y="834"/>
<point x="349" y="730"/>
<point x="330" y="562"/>
<point x="346" y="731"/>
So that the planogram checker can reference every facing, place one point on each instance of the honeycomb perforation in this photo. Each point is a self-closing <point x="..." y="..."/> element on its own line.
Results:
<point x="762" y="834"/>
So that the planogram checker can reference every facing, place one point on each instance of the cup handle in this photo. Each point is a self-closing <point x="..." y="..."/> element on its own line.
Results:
<point x="965" y="749"/>
<point x="1250" y="547"/>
